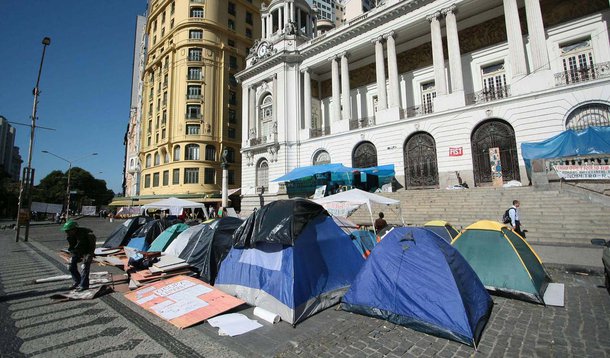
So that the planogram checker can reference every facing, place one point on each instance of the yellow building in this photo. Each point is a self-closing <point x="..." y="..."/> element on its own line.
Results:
<point x="191" y="100"/>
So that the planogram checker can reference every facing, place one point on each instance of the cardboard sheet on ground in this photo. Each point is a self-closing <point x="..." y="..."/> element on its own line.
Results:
<point x="82" y="295"/>
<point x="233" y="324"/>
<point x="183" y="301"/>
<point x="554" y="294"/>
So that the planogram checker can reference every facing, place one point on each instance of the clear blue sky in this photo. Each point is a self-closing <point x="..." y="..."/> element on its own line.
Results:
<point x="85" y="84"/>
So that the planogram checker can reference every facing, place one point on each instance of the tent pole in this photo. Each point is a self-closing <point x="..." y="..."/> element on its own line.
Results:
<point x="401" y="217"/>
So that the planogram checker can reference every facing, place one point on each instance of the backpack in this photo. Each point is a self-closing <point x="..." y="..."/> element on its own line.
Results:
<point x="506" y="217"/>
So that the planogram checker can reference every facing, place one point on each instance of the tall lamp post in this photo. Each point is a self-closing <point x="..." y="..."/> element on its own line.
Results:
<point x="69" y="170"/>
<point x="27" y="180"/>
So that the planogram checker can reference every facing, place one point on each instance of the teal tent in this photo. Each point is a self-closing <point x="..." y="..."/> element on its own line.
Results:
<point x="503" y="260"/>
<point x="167" y="236"/>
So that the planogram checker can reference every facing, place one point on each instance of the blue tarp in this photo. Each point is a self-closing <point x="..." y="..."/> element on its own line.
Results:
<point x="416" y="279"/>
<point x="593" y="140"/>
<point x="304" y="172"/>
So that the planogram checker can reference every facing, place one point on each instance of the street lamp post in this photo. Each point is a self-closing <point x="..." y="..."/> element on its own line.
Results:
<point x="69" y="171"/>
<point x="28" y="172"/>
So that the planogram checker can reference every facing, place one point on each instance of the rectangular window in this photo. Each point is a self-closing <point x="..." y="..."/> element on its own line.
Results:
<point x="164" y="118"/>
<point x="194" y="54"/>
<point x="147" y="181"/>
<point x="233" y="62"/>
<point x="428" y="94"/>
<point x="248" y="33"/>
<point x="191" y="175"/>
<point x="231" y="177"/>
<point x="577" y="62"/>
<point x="231" y="24"/>
<point x="232" y="98"/>
<point x="166" y="177"/>
<point x="194" y="73"/>
<point x="232" y="133"/>
<point x="494" y="82"/>
<point x="195" y="34"/>
<point x="231" y="8"/>
<point x="192" y="129"/>
<point x="231" y="43"/>
<point x="163" y="132"/>
<point x="172" y="8"/>
<point x="197" y="12"/>
<point x="232" y="116"/>
<point x="155" y="179"/>
<point x="193" y="92"/>
<point x="209" y="176"/>
<point x="210" y="152"/>
<point x="193" y="111"/>
<point x="232" y="80"/>
<point x="176" y="176"/>
<point x="249" y="18"/>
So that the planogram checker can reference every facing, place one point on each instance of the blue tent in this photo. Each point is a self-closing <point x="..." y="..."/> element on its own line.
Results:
<point x="293" y="280"/>
<point x="312" y="170"/>
<point x="592" y="140"/>
<point x="416" y="279"/>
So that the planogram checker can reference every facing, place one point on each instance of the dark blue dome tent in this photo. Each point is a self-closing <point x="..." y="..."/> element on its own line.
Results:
<point x="416" y="279"/>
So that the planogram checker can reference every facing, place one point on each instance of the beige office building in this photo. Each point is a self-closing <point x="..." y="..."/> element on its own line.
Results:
<point x="191" y="106"/>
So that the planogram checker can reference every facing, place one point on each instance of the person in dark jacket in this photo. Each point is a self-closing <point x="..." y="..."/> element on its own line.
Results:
<point x="81" y="243"/>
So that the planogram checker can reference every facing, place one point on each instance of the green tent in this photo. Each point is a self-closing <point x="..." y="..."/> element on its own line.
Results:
<point x="166" y="237"/>
<point x="503" y="260"/>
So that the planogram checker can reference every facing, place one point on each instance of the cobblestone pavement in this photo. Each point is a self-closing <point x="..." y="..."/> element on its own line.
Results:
<point x="111" y="326"/>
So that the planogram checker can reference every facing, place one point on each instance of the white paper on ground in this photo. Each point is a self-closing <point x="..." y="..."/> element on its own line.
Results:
<point x="170" y="309"/>
<point x="190" y="293"/>
<point x="53" y="279"/>
<point x="233" y="324"/>
<point x="266" y="315"/>
<point x="554" y="295"/>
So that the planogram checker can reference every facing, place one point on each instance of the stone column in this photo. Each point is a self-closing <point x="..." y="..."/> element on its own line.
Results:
<point x="394" y="94"/>
<point x="535" y="28"/>
<point x="286" y="16"/>
<point x="269" y="25"/>
<point x="453" y="47"/>
<point x="264" y="27"/>
<point x="438" y="58"/>
<point x="516" y="51"/>
<point x="382" y="102"/>
<point x="345" y="90"/>
<point x="307" y="99"/>
<point x="335" y="90"/>
<point x="252" y="112"/>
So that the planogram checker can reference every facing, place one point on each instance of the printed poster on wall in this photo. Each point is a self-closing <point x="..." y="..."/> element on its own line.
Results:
<point x="183" y="301"/>
<point x="496" y="167"/>
<point x="456" y="151"/>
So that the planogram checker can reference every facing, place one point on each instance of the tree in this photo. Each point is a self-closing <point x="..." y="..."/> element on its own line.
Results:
<point x="9" y="195"/>
<point x="84" y="189"/>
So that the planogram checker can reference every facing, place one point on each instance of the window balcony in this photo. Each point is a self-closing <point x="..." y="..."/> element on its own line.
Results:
<point x="257" y="141"/>
<point x="583" y="74"/>
<point x="192" y="116"/>
<point x="193" y="96"/>
<point x="361" y="123"/>
<point x="193" y="78"/>
<point x="318" y="132"/>
<point x="488" y="95"/>
<point x="416" y="111"/>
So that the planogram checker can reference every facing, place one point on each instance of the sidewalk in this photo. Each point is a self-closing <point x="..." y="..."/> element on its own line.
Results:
<point x="112" y="326"/>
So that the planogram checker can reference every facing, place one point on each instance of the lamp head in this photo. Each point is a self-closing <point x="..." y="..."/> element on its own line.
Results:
<point x="46" y="41"/>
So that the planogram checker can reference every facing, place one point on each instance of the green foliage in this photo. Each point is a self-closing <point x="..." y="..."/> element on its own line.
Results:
<point x="9" y="196"/>
<point x="86" y="189"/>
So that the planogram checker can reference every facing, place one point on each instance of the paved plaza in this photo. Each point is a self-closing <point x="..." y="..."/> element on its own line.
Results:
<point x="110" y="326"/>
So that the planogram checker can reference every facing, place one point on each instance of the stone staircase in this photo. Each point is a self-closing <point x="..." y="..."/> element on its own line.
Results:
<point x="550" y="216"/>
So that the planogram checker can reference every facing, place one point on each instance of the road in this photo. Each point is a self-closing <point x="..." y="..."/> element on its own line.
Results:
<point x="111" y="326"/>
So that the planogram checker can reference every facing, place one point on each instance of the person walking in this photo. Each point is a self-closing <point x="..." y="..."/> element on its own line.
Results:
<point x="513" y="213"/>
<point x="380" y="223"/>
<point x="81" y="243"/>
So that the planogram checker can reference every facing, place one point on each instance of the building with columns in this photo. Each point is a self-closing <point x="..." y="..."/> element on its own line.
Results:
<point x="190" y="97"/>
<point x="429" y="86"/>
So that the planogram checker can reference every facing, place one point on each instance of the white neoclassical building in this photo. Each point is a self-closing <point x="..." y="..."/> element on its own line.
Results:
<point x="428" y="86"/>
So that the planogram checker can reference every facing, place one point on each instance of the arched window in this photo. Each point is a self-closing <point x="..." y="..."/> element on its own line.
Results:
<point x="321" y="157"/>
<point x="262" y="173"/>
<point x="265" y="116"/>
<point x="148" y="160"/>
<point x="157" y="159"/>
<point x="589" y="115"/>
<point x="191" y="152"/>
<point x="364" y="155"/>
<point x="210" y="152"/>
<point x="494" y="133"/>
<point x="177" y="153"/>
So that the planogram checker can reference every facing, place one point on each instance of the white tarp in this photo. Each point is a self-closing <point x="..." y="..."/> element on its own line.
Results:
<point x="174" y="205"/>
<point x="46" y="208"/>
<point x="88" y="210"/>
<point x="354" y="197"/>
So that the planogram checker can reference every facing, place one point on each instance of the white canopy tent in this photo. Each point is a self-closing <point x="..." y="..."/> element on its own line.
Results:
<point x="175" y="205"/>
<point x="346" y="202"/>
